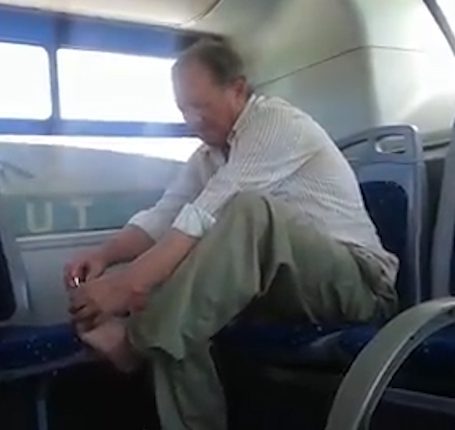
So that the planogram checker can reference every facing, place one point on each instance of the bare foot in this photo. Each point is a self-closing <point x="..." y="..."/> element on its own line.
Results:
<point x="111" y="341"/>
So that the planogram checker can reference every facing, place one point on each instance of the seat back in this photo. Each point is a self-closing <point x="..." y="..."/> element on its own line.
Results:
<point x="443" y="256"/>
<point x="389" y="165"/>
<point x="13" y="285"/>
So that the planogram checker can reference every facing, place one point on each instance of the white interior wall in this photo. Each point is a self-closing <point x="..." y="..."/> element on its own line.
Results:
<point x="351" y="63"/>
<point x="337" y="92"/>
<point x="171" y="12"/>
<point x="411" y="63"/>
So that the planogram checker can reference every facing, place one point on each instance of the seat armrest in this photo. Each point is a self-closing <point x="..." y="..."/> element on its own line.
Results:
<point x="371" y="372"/>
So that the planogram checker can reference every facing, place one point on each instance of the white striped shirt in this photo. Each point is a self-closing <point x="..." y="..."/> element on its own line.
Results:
<point x="275" y="150"/>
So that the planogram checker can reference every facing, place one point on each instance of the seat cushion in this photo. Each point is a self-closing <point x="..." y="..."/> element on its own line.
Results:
<point x="392" y="225"/>
<point x="27" y="346"/>
<point x="282" y="343"/>
<point x="437" y="353"/>
<point x="430" y="367"/>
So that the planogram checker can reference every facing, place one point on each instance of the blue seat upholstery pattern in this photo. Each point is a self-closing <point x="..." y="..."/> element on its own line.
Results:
<point x="431" y="364"/>
<point x="27" y="350"/>
<point x="385" y="201"/>
<point x="286" y="344"/>
<point x="389" y="203"/>
<point x="29" y="346"/>
<point x="30" y="351"/>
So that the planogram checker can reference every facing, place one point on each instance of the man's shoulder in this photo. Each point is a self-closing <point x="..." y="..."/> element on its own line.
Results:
<point x="281" y="114"/>
<point x="272" y="105"/>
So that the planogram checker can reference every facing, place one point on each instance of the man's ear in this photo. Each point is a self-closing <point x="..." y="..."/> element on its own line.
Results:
<point x="240" y="86"/>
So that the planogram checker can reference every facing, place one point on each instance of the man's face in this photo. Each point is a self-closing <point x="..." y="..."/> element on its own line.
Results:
<point x="209" y="109"/>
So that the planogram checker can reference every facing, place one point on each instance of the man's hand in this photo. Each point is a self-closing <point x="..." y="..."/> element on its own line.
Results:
<point x="87" y="267"/>
<point x="114" y="294"/>
<point x="127" y="290"/>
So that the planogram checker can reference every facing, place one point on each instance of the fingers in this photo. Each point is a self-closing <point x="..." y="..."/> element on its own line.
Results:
<point x="87" y="319"/>
<point x="68" y="279"/>
<point x="81" y="310"/>
<point x="85" y="326"/>
<point x="78" y="298"/>
<point x="72" y="271"/>
<point x="85" y="315"/>
<point x="85" y="269"/>
<point x="80" y="305"/>
<point x="93" y="273"/>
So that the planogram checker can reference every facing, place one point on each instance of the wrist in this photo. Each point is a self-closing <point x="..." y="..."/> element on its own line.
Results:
<point x="139" y="287"/>
<point x="104" y="257"/>
<point x="137" y="278"/>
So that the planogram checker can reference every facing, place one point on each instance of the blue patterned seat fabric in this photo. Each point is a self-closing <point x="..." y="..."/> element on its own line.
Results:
<point x="29" y="346"/>
<point x="430" y="367"/>
<point x="287" y="344"/>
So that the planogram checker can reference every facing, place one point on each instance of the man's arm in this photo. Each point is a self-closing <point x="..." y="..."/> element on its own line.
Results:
<point x="266" y="154"/>
<point x="128" y="289"/>
<point x="157" y="264"/>
<point x="143" y="230"/>
<point x="125" y="246"/>
<point x="157" y="220"/>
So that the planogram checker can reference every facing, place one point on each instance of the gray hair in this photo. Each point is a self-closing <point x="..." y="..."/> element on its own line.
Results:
<point x="223" y="61"/>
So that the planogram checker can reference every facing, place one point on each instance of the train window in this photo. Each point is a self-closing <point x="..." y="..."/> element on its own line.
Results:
<point x="24" y="82"/>
<point x="161" y="148"/>
<point x="107" y="86"/>
<point x="67" y="184"/>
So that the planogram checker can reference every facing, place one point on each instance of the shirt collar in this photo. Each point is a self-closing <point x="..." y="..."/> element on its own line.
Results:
<point x="242" y="118"/>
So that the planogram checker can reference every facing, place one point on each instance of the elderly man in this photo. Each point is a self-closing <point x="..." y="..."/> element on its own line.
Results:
<point x="267" y="209"/>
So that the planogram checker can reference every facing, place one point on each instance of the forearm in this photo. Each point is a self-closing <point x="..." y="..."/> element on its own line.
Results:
<point x="125" y="246"/>
<point x="157" y="264"/>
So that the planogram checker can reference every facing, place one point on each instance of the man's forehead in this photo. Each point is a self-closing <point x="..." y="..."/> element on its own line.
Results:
<point x="192" y="70"/>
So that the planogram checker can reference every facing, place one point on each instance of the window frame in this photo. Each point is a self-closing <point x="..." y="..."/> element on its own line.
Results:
<point x="53" y="31"/>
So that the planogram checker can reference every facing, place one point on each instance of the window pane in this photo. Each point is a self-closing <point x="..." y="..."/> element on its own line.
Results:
<point x="115" y="87"/>
<point x="53" y="184"/>
<point x="24" y="82"/>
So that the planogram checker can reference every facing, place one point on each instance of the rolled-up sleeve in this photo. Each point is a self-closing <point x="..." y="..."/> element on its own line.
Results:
<point x="188" y="184"/>
<point x="271" y="146"/>
<point x="193" y="221"/>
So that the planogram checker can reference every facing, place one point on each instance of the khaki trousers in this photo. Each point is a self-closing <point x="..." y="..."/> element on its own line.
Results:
<point x="254" y="252"/>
